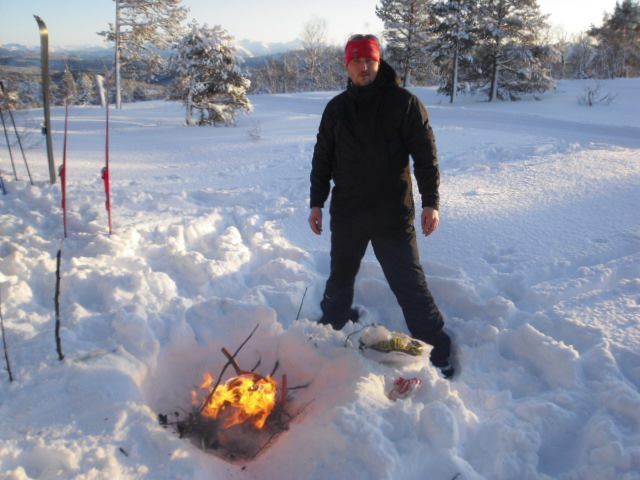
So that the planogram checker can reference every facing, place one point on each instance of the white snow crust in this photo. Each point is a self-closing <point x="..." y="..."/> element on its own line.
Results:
<point x="536" y="267"/>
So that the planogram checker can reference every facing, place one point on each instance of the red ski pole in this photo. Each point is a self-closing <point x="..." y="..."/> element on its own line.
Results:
<point x="105" y="170"/>
<point x="63" y="168"/>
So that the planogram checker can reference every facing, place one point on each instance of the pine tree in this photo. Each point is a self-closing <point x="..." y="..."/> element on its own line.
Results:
<point x="511" y="58"/>
<point x="618" y="49"/>
<point x="406" y="24"/>
<point x="142" y="28"/>
<point x="208" y="76"/>
<point x="455" y="31"/>
<point x="86" y="89"/>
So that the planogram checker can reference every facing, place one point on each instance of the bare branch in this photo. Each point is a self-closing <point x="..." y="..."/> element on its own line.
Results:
<point x="4" y="345"/>
<point x="57" y="304"/>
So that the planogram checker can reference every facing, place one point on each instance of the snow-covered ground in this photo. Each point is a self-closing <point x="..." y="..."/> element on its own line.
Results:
<point x="536" y="266"/>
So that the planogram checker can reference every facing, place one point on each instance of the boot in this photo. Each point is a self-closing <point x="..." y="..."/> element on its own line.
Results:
<point x="441" y="354"/>
<point x="352" y="314"/>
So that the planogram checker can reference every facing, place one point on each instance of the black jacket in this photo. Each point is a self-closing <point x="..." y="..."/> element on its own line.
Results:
<point x="364" y="141"/>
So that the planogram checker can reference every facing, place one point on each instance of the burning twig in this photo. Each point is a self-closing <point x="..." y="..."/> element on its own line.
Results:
<point x="4" y="345"/>
<point x="306" y="385"/>
<point x="57" y="303"/>
<point x="273" y="372"/>
<point x="255" y="367"/>
<point x="232" y="361"/>
<point x="283" y="391"/>
<point x="301" y="302"/>
<point x="224" y="369"/>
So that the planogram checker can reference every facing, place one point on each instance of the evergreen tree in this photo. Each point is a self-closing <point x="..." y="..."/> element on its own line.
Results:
<point x="141" y="29"/>
<point x="455" y="31"/>
<point x="618" y="49"/>
<point x="69" y="91"/>
<point x="86" y="89"/>
<point x="208" y="76"/>
<point x="511" y="58"/>
<point x="9" y="98"/>
<point x="406" y="24"/>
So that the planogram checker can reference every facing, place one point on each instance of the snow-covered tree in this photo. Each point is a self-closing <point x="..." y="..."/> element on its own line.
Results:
<point x="559" y="39"/>
<point x="314" y="39"/>
<point x="86" y="89"/>
<point x="580" y="55"/>
<point x="141" y="29"/>
<point x="286" y="72"/>
<point x="454" y="28"/>
<point x="511" y="59"/>
<point x="618" y="48"/>
<point x="406" y="24"/>
<point x="8" y="97"/>
<point x="208" y="76"/>
<point x="69" y="90"/>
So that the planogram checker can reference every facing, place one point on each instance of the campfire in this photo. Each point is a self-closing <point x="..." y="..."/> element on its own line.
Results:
<point x="239" y="417"/>
<point x="247" y="397"/>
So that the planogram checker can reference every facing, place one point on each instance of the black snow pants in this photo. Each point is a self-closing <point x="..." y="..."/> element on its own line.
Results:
<point x="397" y="251"/>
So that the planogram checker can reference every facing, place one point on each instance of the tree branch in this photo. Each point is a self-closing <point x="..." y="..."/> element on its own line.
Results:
<point x="4" y="345"/>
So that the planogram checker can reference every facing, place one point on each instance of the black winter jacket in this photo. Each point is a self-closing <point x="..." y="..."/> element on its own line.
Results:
<point x="364" y="141"/>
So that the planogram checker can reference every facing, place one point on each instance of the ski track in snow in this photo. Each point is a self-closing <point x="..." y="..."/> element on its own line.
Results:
<point x="536" y="266"/>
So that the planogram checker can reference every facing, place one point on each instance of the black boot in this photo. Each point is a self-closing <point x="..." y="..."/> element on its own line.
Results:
<point x="353" y="314"/>
<point x="441" y="354"/>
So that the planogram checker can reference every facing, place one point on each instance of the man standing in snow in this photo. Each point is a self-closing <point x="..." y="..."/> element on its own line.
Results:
<point x="364" y="141"/>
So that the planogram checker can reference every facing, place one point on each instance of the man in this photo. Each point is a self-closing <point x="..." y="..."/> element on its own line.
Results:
<point x="364" y="141"/>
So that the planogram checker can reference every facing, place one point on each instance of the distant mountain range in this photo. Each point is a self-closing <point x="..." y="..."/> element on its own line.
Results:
<point x="16" y="55"/>
<point x="249" y="48"/>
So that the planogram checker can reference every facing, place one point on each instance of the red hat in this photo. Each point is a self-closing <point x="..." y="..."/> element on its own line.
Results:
<point x="362" y="46"/>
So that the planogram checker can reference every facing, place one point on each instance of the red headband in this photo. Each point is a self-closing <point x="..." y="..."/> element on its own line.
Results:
<point x="362" y="46"/>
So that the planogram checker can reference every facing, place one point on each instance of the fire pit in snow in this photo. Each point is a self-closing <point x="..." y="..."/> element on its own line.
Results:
<point x="240" y="417"/>
<point x="246" y="398"/>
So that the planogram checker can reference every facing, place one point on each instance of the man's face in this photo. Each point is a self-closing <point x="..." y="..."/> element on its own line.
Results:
<point x="362" y="71"/>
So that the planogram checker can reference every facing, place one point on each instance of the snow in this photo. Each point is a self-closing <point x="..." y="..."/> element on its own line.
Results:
<point x="536" y="267"/>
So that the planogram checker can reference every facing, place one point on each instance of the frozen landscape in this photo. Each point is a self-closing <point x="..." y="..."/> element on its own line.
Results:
<point x="536" y="267"/>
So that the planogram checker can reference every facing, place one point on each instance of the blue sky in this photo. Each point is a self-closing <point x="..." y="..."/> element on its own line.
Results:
<point x="75" y="22"/>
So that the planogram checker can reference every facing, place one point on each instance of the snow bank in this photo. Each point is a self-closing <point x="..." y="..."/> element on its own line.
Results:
<point x="535" y="266"/>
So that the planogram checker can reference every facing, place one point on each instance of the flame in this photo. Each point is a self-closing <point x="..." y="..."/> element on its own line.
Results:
<point x="245" y="398"/>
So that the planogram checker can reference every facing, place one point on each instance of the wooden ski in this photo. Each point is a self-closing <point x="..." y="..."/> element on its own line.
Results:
<point x="44" y="57"/>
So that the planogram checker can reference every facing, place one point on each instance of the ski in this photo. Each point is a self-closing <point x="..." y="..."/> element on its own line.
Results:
<point x="15" y="129"/>
<point x="6" y="136"/>
<point x="44" y="57"/>
<point x="2" y="187"/>
<point x="105" y="169"/>
<point x="63" y="169"/>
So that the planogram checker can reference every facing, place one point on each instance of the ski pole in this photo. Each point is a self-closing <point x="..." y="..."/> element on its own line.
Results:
<point x="105" y="170"/>
<point x="6" y="136"/>
<point x="15" y="129"/>
<point x="63" y="169"/>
